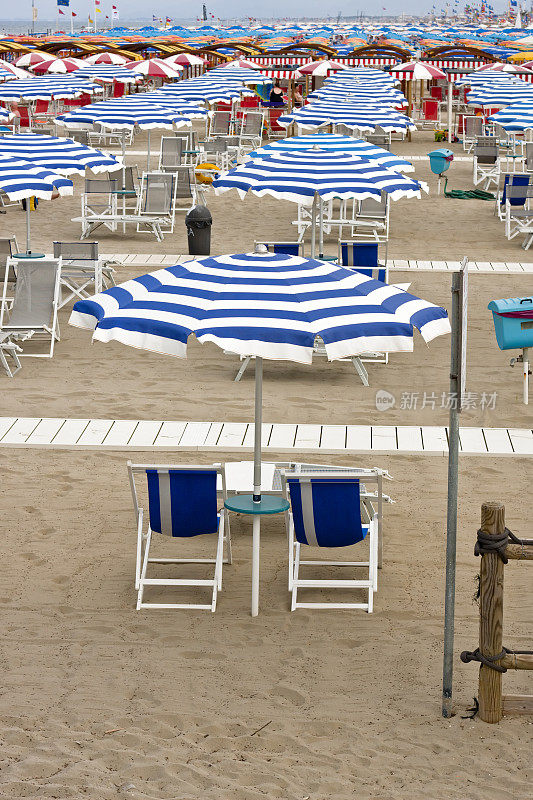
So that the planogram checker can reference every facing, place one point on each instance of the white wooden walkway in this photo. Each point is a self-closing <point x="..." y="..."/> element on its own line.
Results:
<point x="109" y="434"/>
<point x="157" y="260"/>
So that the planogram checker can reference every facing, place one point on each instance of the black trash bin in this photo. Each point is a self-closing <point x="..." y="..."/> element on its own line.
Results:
<point x="198" y="222"/>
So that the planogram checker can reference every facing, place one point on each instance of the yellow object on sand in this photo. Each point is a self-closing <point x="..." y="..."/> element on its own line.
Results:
<point x="202" y="172"/>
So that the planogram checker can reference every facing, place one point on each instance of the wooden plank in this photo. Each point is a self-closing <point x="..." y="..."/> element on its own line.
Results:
<point x="517" y="704"/>
<point x="409" y="439"/>
<point x="70" y="432"/>
<point x="145" y="433"/>
<point x="213" y="434"/>
<point x="333" y="437"/>
<point x="282" y="436"/>
<point x="120" y="433"/>
<point x="45" y="431"/>
<point x="21" y="430"/>
<point x="266" y="430"/>
<point x="308" y="437"/>
<point x="358" y="437"/>
<point x="194" y="434"/>
<point x="232" y="434"/>
<point x="434" y="439"/>
<point x="95" y="432"/>
<point x="384" y="438"/>
<point x="169" y="434"/>
<point x="522" y="441"/>
<point x="471" y="440"/>
<point x="498" y="442"/>
<point x="5" y="424"/>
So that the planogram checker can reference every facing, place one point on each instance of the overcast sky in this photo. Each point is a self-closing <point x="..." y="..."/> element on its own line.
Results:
<point x="234" y="8"/>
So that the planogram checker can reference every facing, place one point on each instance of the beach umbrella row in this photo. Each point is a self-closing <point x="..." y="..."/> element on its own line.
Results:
<point x="64" y="156"/>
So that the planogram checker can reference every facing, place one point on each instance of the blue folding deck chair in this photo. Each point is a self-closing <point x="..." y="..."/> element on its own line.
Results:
<point x="363" y="257"/>
<point x="326" y="511"/>
<point x="514" y="179"/>
<point x="286" y="248"/>
<point x="182" y="503"/>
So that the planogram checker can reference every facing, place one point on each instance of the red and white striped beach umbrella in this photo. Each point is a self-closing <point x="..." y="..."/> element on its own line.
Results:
<point x="243" y="63"/>
<point x="416" y="70"/>
<point x="320" y="68"/>
<point x="15" y="71"/>
<point x="106" y="58"/>
<point x="29" y="59"/>
<point x="58" y="65"/>
<point x="505" y="67"/>
<point x="155" y="68"/>
<point x="186" y="60"/>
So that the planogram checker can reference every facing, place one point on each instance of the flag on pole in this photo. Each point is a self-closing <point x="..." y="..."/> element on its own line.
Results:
<point x="74" y="14"/>
<point x="114" y="12"/>
<point x="63" y="2"/>
<point x="61" y="12"/>
<point x="91" y="20"/>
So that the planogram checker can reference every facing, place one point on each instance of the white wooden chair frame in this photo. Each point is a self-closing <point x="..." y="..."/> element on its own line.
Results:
<point x="487" y="174"/>
<point x="49" y="333"/>
<point x="295" y="561"/>
<point x="144" y="538"/>
<point x="91" y="219"/>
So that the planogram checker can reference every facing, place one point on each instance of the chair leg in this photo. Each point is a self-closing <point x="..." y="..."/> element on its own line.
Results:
<point x="219" y="557"/>
<point x="138" y="559"/>
<point x="143" y="572"/>
<point x="295" y="577"/>
<point x="361" y="370"/>
<point x="227" y="538"/>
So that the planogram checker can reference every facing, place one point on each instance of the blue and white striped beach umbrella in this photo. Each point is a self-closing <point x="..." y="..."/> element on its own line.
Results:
<point x="358" y="116"/>
<point x="123" y="114"/>
<point x="63" y="156"/>
<point x="108" y="73"/>
<point x="195" y="91"/>
<point x="309" y="177"/>
<point x="48" y="88"/>
<point x="334" y="142"/>
<point x="504" y="96"/>
<point x="237" y="74"/>
<point x="378" y="96"/>
<point x="516" y="117"/>
<point x="262" y="305"/>
<point x="20" y="180"/>
<point x="169" y="100"/>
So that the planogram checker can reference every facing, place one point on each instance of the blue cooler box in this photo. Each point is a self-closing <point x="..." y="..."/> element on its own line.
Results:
<point x="513" y="322"/>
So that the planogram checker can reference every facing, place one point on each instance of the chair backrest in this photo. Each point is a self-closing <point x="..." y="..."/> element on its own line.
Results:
<point x="171" y="152"/>
<point x="519" y="195"/>
<point x="376" y="209"/>
<point x="486" y="150"/>
<point x="252" y="124"/>
<point x="286" y="248"/>
<point x="216" y="146"/>
<point x="100" y="185"/>
<point x="473" y="126"/>
<point x="183" y="501"/>
<point x="36" y="293"/>
<point x="76" y="251"/>
<point x="8" y="247"/>
<point x="220" y="122"/>
<point x="379" y="139"/>
<point x="184" y="178"/>
<point x="158" y="193"/>
<point x="516" y="179"/>
<point x="326" y="510"/>
<point x="364" y="257"/>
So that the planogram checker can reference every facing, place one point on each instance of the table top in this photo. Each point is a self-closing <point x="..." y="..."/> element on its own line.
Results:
<point x="244" y="504"/>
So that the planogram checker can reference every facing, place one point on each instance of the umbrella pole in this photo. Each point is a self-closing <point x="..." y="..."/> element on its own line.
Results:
<point x="256" y="531"/>
<point x="148" y="156"/>
<point x="28" y="223"/>
<point x="313" y="228"/>
<point x="124" y="177"/>
<point x="320" y="228"/>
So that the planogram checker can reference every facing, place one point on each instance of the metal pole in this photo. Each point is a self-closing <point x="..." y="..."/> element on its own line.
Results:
<point x="28" y="235"/>
<point x="320" y="228"/>
<point x="451" y="514"/>
<point x="450" y="102"/>
<point x="148" y="155"/>
<point x="256" y="529"/>
<point x="313" y="228"/>
<point x="525" y="359"/>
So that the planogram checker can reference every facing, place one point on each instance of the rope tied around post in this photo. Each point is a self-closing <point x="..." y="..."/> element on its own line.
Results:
<point x="497" y="543"/>
<point x="490" y="661"/>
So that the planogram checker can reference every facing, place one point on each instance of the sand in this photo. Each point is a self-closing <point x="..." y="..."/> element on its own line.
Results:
<point x="97" y="697"/>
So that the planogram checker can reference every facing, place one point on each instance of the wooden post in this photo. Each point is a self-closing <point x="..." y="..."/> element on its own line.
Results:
<point x="491" y="615"/>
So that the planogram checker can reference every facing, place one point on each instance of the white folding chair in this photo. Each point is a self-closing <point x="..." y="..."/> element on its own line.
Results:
<point x="327" y="512"/>
<point x="182" y="504"/>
